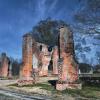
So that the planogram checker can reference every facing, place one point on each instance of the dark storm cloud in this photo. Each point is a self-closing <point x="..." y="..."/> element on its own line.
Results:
<point x="19" y="16"/>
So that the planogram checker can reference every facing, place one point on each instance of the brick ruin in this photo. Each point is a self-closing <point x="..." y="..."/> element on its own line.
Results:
<point x="55" y="58"/>
<point x="35" y="60"/>
<point x="27" y="55"/>
<point x="37" y="57"/>
<point x="67" y="67"/>
<point x="5" y="66"/>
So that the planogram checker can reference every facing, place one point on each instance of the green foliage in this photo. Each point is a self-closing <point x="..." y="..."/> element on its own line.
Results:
<point x="47" y="31"/>
<point x="84" y="68"/>
<point x="86" y="91"/>
<point x="15" y="66"/>
<point x="97" y="69"/>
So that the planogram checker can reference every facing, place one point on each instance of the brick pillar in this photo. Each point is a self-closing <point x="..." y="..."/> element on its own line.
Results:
<point x="55" y="60"/>
<point x="4" y="65"/>
<point x="67" y="67"/>
<point x="45" y="59"/>
<point x="27" y="53"/>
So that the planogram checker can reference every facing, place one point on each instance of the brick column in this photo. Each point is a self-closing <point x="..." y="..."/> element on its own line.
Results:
<point x="4" y="65"/>
<point x="27" y="53"/>
<point x="55" y="60"/>
<point x="67" y="67"/>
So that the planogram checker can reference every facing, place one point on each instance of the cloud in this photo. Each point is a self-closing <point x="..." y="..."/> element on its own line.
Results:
<point x="19" y="16"/>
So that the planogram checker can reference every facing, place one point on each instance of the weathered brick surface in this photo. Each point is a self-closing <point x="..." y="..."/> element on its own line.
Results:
<point x="68" y="67"/>
<point x="27" y="53"/>
<point x="55" y="60"/>
<point x="45" y="58"/>
<point x="4" y="65"/>
<point x="64" y="86"/>
<point x="37" y="57"/>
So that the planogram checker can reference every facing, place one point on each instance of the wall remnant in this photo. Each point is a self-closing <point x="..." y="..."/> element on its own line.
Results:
<point x="67" y="67"/>
<point x="4" y="65"/>
<point x="37" y="58"/>
<point x="27" y="58"/>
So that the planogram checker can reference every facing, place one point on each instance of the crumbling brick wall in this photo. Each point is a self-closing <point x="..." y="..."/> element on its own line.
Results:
<point x="69" y="66"/>
<point x="45" y="57"/>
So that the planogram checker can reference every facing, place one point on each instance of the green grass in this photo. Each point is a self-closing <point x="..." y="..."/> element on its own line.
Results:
<point x="4" y="78"/>
<point x="44" y="86"/>
<point x="87" y="91"/>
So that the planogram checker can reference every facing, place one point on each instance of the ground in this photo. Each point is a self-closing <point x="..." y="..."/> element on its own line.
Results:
<point x="47" y="90"/>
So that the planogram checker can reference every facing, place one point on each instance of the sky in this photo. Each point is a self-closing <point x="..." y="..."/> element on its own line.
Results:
<point x="17" y="17"/>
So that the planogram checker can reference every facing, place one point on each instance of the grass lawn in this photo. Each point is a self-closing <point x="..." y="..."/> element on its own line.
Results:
<point x="88" y="91"/>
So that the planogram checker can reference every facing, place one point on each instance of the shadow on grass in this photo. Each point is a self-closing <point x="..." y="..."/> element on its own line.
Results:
<point x="53" y="83"/>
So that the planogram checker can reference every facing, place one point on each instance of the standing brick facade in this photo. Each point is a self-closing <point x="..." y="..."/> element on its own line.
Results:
<point x="36" y="59"/>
